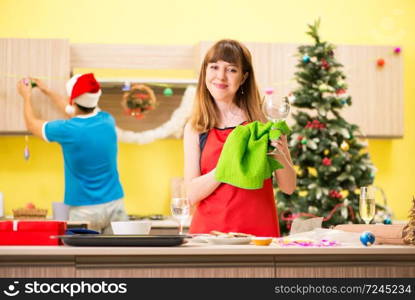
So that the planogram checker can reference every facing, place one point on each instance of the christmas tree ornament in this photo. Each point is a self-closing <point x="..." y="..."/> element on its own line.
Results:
<point x="367" y="238"/>
<point x="306" y="58"/>
<point x="312" y="209"/>
<point x="291" y="98"/>
<point x="304" y="141"/>
<point x="387" y="221"/>
<point x="313" y="59"/>
<point x="344" y="210"/>
<point x="326" y="161"/>
<point x="345" y="146"/>
<point x="126" y="86"/>
<point x="168" y="92"/>
<point x="343" y="102"/>
<point x="397" y="50"/>
<point x="324" y="64"/>
<point x="312" y="171"/>
<point x="380" y="62"/>
<point x="26" y="152"/>
<point x="335" y="194"/>
<point x="324" y="87"/>
<point x="326" y="152"/>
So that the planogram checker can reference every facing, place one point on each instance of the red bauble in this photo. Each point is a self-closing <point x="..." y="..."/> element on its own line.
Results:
<point x="380" y="62"/>
<point x="325" y="64"/>
<point x="335" y="194"/>
<point x="326" y="161"/>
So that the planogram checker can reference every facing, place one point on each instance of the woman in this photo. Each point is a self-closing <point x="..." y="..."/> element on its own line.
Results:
<point x="227" y="96"/>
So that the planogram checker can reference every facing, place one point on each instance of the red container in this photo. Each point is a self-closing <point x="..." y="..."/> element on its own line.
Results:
<point x="34" y="233"/>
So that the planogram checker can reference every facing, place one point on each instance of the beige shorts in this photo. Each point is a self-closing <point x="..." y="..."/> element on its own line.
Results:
<point x="99" y="216"/>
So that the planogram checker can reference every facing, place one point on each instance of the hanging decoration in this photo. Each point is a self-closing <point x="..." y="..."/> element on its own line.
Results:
<point x="26" y="152"/>
<point x="335" y="194"/>
<point x="345" y="146"/>
<point x="397" y="50"/>
<point x="380" y="62"/>
<point x="315" y="124"/>
<point x="326" y="161"/>
<point x="138" y="100"/>
<point x="168" y="92"/>
<point x="126" y="86"/>
<point x="306" y="58"/>
<point x="174" y="126"/>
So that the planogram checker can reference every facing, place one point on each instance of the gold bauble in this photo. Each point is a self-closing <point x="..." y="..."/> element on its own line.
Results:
<point x="345" y="146"/>
<point x="326" y="152"/>
<point x="312" y="171"/>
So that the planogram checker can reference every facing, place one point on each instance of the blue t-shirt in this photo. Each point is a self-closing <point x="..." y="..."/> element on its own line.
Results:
<point x="89" y="146"/>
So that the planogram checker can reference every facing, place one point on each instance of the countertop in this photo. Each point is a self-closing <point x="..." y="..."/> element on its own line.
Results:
<point x="205" y="249"/>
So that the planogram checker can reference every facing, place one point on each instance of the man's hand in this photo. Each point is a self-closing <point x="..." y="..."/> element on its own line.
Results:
<point x="41" y="85"/>
<point x="33" y="124"/>
<point x="24" y="88"/>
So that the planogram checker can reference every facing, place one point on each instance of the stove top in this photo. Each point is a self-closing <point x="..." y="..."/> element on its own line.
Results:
<point x="155" y="217"/>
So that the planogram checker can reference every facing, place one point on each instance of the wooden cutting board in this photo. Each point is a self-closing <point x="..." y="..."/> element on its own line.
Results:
<point x="385" y="234"/>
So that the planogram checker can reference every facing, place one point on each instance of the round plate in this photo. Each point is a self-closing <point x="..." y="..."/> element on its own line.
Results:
<point x="230" y="241"/>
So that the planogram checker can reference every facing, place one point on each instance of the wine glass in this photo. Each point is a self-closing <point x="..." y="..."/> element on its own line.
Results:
<point x="180" y="206"/>
<point x="275" y="109"/>
<point x="180" y="209"/>
<point x="367" y="203"/>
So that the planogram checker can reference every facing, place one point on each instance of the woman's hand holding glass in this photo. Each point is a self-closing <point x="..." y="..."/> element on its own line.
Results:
<point x="276" y="109"/>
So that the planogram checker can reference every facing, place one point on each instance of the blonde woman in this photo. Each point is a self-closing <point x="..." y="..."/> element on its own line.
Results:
<point x="227" y="96"/>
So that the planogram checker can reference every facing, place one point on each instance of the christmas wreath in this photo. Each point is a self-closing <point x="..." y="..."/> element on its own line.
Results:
<point x="138" y="100"/>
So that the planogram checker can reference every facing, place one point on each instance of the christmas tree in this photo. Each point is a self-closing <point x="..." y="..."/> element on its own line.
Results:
<point x="331" y="162"/>
<point x="409" y="229"/>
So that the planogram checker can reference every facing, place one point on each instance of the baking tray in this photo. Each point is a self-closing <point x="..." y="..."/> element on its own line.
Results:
<point x="122" y="240"/>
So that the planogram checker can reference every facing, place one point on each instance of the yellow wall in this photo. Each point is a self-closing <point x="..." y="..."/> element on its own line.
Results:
<point x="145" y="170"/>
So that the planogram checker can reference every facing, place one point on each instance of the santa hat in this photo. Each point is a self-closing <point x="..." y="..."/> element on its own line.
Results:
<point x="83" y="90"/>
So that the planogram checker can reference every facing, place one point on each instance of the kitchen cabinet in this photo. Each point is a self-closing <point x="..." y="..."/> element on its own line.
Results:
<point x="47" y="59"/>
<point x="377" y="92"/>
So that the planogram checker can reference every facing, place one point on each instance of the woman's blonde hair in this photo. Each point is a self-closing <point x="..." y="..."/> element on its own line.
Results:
<point x="205" y="112"/>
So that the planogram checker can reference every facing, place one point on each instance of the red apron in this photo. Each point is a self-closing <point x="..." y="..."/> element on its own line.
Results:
<point x="229" y="208"/>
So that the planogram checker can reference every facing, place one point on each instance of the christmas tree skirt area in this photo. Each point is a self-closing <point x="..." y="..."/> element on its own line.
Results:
<point x="385" y="234"/>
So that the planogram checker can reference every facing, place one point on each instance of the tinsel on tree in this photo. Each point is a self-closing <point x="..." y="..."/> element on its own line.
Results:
<point x="332" y="164"/>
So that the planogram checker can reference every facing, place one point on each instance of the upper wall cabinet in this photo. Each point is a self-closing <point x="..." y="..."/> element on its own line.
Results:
<point x="47" y="59"/>
<point x="377" y="93"/>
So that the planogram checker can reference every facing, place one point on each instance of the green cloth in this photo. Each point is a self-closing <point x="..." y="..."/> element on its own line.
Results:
<point x="244" y="161"/>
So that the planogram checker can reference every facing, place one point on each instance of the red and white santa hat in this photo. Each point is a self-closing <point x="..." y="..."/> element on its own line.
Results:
<point x="84" y="90"/>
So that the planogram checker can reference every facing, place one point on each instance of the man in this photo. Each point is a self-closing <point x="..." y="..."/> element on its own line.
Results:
<point x="89" y="143"/>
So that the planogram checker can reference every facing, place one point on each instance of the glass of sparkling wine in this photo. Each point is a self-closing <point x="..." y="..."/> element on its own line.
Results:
<point x="367" y="203"/>
<point x="180" y="209"/>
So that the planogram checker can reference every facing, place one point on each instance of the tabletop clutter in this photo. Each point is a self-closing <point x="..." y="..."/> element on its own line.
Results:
<point x="48" y="232"/>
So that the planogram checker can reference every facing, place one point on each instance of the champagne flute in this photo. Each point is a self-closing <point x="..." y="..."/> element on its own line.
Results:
<point x="275" y="109"/>
<point x="367" y="203"/>
<point x="180" y="209"/>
